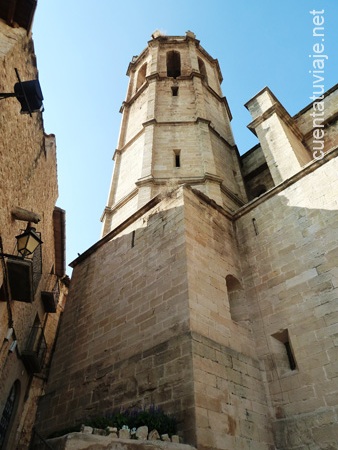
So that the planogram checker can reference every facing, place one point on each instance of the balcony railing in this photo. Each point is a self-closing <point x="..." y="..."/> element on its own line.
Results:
<point x="23" y="276"/>
<point x="35" y="351"/>
<point x="50" y="296"/>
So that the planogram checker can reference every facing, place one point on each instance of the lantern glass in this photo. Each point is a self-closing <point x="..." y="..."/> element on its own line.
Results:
<point x="28" y="241"/>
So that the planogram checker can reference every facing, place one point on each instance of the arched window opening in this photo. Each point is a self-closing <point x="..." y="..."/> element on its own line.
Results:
<point x="202" y="69"/>
<point x="173" y="64"/>
<point x="237" y="301"/>
<point x="9" y="413"/>
<point x="141" y="76"/>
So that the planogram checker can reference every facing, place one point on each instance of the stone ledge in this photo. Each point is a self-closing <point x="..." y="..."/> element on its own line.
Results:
<point x="82" y="441"/>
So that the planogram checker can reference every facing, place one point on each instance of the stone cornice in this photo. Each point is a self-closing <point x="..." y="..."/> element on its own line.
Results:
<point x="231" y="195"/>
<point x="281" y="112"/>
<point x="108" y="237"/>
<point x="150" y="179"/>
<point x="157" y="77"/>
<point x="122" y="202"/>
<point x="310" y="167"/>
<point x="310" y="105"/>
<point x="136" y="60"/>
<point x="326" y="123"/>
<point x="153" y="121"/>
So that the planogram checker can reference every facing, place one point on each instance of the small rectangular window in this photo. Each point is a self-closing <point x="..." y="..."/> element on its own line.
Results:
<point x="177" y="154"/>
<point x="283" y="351"/>
<point x="290" y="356"/>
<point x="174" y="91"/>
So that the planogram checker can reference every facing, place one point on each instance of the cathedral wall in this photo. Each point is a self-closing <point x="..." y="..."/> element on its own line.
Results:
<point x="182" y="137"/>
<point x="305" y="118"/>
<point x="175" y="108"/>
<point x="331" y="136"/>
<point x="121" y="214"/>
<point x="224" y="164"/>
<point x="136" y="116"/>
<point x="129" y="167"/>
<point x="289" y="253"/>
<point x="212" y="74"/>
<point x="123" y="339"/>
<point x="215" y="111"/>
<point x="256" y="174"/>
<point x="231" y="406"/>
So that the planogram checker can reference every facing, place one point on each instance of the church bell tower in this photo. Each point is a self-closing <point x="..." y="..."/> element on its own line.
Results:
<point x="175" y="130"/>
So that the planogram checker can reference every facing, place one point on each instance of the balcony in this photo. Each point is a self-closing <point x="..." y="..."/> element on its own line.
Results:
<point x="24" y="275"/>
<point x="35" y="351"/>
<point x="50" y="296"/>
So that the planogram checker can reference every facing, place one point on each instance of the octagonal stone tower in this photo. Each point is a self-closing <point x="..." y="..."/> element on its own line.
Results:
<point x="175" y="130"/>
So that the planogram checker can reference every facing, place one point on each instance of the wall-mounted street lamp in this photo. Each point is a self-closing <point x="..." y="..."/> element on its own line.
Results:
<point x="28" y="241"/>
<point x="19" y="269"/>
<point x="28" y="93"/>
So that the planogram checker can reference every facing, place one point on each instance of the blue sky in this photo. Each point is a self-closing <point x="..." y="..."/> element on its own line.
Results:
<point x="83" y="50"/>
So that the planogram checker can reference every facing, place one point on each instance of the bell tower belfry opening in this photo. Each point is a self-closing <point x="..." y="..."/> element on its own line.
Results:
<point x="174" y="106"/>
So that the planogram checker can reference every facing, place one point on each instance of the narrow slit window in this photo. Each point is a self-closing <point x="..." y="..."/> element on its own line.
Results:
<point x="174" y="91"/>
<point x="283" y="351"/>
<point x="290" y="356"/>
<point x="177" y="156"/>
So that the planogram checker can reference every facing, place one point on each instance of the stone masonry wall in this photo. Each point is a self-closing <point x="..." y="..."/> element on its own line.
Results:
<point x="289" y="255"/>
<point x="326" y="117"/>
<point x="28" y="179"/>
<point x="231" y="405"/>
<point x="152" y="319"/>
<point x="123" y="338"/>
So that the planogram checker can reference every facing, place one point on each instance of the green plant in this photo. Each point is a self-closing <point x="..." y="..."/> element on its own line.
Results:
<point x="153" y="417"/>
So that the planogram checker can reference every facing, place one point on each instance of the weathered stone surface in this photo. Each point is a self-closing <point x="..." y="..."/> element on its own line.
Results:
<point x="124" y="434"/>
<point x="154" y="435"/>
<point x="175" y="439"/>
<point x="99" y="432"/>
<point x="142" y="432"/>
<point x="87" y="430"/>
<point x="165" y="437"/>
<point x="81" y="441"/>
<point x="28" y="182"/>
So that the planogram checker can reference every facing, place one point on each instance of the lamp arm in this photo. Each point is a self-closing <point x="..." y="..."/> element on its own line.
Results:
<point x="5" y="95"/>
<point x="23" y="91"/>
